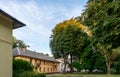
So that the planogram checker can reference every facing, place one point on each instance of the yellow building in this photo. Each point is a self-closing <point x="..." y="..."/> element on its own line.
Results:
<point x="7" y="24"/>
<point x="41" y="62"/>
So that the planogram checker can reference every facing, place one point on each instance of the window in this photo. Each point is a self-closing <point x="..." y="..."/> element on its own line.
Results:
<point x="44" y="69"/>
<point x="30" y="60"/>
<point x="44" y="62"/>
<point x="48" y="69"/>
<point x="51" y="69"/>
<point x="40" y="69"/>
<point x="35" y="61"/>
<point x="40" y="61"/>
<point x="56" y="69"/>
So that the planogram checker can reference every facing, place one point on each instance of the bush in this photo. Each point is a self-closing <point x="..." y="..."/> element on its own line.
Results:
<point x="22" y="65"/>
<point x="16" y="74"/>
<point x="112" y="70"/>
<point x="32" y="74"/>
<point x="28" y="74"/>
<point x="22" y="68"/>
<point x="76" y="65"/>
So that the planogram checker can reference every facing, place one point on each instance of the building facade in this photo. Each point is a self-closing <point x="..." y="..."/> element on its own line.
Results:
<point x="7" y="24"/>
<point x="42" y="63"/>
<point x="62" y="65"/>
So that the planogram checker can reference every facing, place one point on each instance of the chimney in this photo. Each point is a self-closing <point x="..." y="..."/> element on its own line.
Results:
<point x="24" y="49"/>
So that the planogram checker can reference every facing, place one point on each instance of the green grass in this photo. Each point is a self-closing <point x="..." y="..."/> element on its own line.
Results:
<point x="82" y="75"/>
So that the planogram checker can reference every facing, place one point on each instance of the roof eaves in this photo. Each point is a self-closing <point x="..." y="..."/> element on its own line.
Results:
<point x="16" y="23"/>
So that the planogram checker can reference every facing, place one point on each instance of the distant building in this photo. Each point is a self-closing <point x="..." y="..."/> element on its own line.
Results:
<point x="42" y="63"/>
<point x="7" y="24"/>
<point x="62" y="65"/>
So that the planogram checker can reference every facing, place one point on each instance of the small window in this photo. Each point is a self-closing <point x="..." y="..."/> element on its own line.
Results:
<point x="51" y="69"/>
<point x="30" y="60"/>
<point x="44" y="62"/>
<point x="35" y="60"/>
<point x="48" y="69"/>
<point x="56" y="69"/>
<point x="40" y="69"/>
<point x="44" y="69"/>
<point x="40" y="61"/>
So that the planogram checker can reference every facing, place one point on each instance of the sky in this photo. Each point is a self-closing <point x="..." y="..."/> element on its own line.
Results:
<point x="40" y="17"/>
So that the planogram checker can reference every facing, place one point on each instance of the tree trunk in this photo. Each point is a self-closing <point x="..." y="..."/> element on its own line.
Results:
<point x="71" y="68"/>
<point x="64" y="65"/>
<point x="108" y="68"/>
<point x="108" y="64"/>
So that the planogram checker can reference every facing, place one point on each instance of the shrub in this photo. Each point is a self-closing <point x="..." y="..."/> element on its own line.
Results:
<point x="22" y="65"/>
<point x="16" y="74"/>
<point x="76" y="65"/>
<point x="22" y="68"/>
<point x="32" y="74"/>
<point x="28" y="74"/>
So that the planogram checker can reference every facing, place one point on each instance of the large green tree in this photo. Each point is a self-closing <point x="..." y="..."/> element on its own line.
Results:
<point x="103" y="18"/>
<point x="92" y="59"/>
<point x="67" y="39"/>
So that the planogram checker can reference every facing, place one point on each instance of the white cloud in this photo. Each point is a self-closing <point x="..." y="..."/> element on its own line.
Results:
<point x="40" y="20"/>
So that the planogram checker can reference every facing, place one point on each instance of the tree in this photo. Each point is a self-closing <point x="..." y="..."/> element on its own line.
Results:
<point x="102" y="17"/>
<point x="19" y="43"/>
<point x="91" y="59"/>
<point x="67" y="39"/>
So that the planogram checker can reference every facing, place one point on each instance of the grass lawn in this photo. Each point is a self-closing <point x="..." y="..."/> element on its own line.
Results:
<point x="82" y="75"/>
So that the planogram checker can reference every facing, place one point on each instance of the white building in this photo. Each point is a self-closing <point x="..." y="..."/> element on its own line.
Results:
<point x="61" y="60"/>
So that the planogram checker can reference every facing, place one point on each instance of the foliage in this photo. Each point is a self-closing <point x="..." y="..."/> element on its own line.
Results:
<point x="116" y="63"/>
<point x="91" y="59"/>
<point x="22" y="65"/>
<point x="116" y="66"/>
<point x="23" y="68"/>
<point x="103" y="18"/>
<point x="67" y="37"/>
<point x="28" y="74"/>
<point x="76" y="65"/>
<point x="19" y="43"/>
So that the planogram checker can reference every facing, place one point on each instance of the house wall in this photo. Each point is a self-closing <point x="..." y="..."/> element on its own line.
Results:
<point x="23" y="58"/>
<point x="5" y="47"/>
<point x="44" y="66"/>
<point x="62" y="65"/>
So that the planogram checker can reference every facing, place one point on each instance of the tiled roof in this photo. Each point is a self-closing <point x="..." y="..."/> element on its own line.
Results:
<point x="18" y="52"/>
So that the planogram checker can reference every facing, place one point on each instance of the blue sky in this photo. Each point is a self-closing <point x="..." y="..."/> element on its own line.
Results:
<point x="40" y="16"/>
